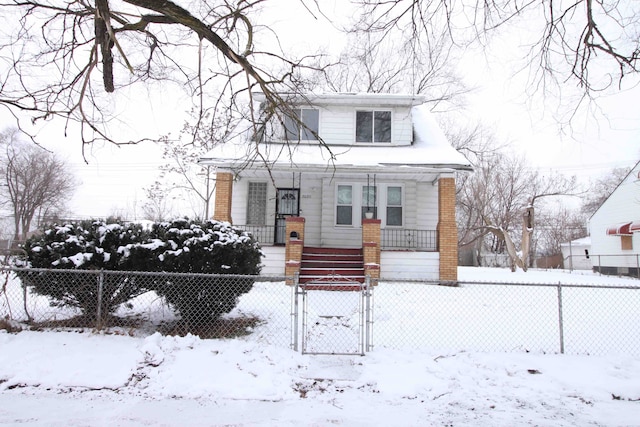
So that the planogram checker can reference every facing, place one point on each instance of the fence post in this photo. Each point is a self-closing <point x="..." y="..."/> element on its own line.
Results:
<point x="99" y="309"/>
<point x="296" y="310"/>
<point x="560" y="318"/>
<point x="367" y="327"/>
<point x="638" y="265"/>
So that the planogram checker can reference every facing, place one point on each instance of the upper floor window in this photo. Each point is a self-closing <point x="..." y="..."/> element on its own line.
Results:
<point x="373" y="126"/>
<point x="303" y="126"/>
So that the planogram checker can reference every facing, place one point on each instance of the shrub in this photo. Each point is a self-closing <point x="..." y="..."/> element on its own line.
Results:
<point x="85" y="245"/>
<point x="205" y="247"/>
<point x="180" y="246"/>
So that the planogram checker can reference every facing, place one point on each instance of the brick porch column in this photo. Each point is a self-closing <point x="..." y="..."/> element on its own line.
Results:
<point x="447" y="230"/>
<point x="224" y="191"/>
<point x="371" y="248"/>
<point x="294" y="246"/>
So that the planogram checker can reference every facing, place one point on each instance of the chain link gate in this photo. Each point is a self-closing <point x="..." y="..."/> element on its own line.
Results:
<point x="337" y="316"/>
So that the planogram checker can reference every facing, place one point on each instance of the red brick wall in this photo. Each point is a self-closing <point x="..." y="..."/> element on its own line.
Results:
<point x="224" y="192"/>
<point x="371" y="247"/>
<point x="294" y="247"/>
<point x="447" y="230"/>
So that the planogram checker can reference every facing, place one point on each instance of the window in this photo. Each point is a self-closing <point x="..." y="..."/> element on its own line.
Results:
<point x="257" y="203"/>
<point x="394" y="206"/>
<point x="344" y="209"/>
<point x="303" y="126"/>
<point x="369" y="201"/>
<point x="373" y="126"/>
<point x="626" y="243"/>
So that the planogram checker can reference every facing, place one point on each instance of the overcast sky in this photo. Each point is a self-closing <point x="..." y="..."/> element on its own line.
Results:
<point x="112" y="182"/>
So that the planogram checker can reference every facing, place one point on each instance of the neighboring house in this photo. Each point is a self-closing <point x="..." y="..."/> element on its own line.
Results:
<point x="615" y="229"/>
<point x="359" y="184"/>
<point x="576" y="254"/>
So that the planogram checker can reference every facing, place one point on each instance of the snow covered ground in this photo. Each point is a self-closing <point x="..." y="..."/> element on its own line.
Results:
<point x="88" y="379"/>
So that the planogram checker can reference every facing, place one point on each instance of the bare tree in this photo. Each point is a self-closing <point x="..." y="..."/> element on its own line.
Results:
<point x="590" y="42"/>
<point x="158" y="206"/>
<point x="558" y="224"/>
<point x="501" y="196"/>
<point x="37" y="183"/>
<point x="370" y="63"/>
<point x="64" y="58"/>
<point x="68" y="59"/>
<point x="601" y="188"/>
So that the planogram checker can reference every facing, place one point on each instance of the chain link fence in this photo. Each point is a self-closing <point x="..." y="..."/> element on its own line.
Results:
<point x="488" y="317"/>
<point x="142" y="303"/>
<point x="508" y="317"/>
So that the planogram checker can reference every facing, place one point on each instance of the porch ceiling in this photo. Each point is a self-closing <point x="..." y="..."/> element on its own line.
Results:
<point x="411" y="174"/>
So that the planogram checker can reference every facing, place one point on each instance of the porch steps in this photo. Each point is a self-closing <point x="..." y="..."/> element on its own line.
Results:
<point x="332" y="268"/>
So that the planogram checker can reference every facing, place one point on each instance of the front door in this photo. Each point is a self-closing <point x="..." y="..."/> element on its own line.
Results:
<point x="287" y="204"/>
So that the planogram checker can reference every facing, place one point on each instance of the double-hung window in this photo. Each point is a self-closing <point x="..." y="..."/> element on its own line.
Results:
<point x="394" y="206"/>
<point x="344" y="205"/>
<point x="302" y="125"/>
<point x="373" y="126"/>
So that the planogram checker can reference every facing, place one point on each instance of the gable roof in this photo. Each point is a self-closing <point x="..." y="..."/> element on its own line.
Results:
<point x="634" y="170"/>
<point x="430" y="149"/>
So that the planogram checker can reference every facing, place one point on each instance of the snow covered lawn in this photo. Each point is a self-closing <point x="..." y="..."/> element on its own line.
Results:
<point x="86" y="379"/>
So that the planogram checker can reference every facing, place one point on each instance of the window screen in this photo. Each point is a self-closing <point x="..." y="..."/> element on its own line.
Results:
<point x="257" y="203"/>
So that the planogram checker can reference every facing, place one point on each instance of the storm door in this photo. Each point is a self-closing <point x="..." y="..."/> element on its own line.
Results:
<point x="287" y="204"/>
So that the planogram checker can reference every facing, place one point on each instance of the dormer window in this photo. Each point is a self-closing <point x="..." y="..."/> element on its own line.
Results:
<point x="373" y="126"/>
<point x="304" y="126"/>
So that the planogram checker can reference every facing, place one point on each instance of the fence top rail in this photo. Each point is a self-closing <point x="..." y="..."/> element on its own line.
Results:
<point x="551" y="285"/>
<point x="257" y="278"/>
<point x="615" y="255"/>
<point x="382" y="282"/>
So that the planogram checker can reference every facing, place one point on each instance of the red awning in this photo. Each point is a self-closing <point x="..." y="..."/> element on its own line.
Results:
<point x="621" y="229"/>
<point x="635" y="226"/>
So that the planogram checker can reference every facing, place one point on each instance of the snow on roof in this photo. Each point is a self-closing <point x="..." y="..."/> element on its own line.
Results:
<point x="584" y="241"/>
<point x="430" y="149"/>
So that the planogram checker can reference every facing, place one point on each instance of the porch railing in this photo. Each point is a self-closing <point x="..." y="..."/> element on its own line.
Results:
<point x="391" y="238"/>
<point x="406" y="238"/>
<point x="265" y="234"/>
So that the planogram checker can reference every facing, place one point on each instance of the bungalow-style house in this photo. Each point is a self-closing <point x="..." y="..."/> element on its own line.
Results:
<point x="353" y="185"/>
<point x="615" y="229"/>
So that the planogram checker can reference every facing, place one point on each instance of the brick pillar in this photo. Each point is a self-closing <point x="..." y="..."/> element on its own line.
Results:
<point x="224" y="191"/>
<point x="294" y="246"/>
<point x="447" y="230"/>
<point x="371" y="248"/>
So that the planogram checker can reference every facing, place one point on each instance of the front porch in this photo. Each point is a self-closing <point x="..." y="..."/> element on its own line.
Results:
<point x="423" y="247"/>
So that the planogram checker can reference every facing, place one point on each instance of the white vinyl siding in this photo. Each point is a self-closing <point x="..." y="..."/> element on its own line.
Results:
<point x="623" y="205"/>
<point x="338" y="125"/>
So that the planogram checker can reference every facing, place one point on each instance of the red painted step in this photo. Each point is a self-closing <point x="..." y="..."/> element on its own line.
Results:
<point x="332" y="269"/>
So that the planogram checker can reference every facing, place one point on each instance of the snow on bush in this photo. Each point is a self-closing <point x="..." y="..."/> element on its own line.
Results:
<point x="180" y="246"/>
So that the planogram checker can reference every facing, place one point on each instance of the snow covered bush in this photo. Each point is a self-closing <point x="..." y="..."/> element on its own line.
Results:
<point x="181" y="246"/>
<point x="205" y="247"/>
<point x="85" y="245"/>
